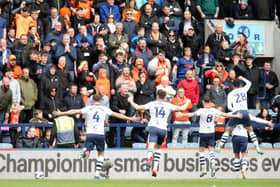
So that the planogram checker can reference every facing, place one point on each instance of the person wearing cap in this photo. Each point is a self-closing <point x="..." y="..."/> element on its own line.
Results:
<point x="252" y="74"/>
<point x="13" y="64"/>
<point x="192" y="40"/>
<point x="242" y="47"/>
<point x="243" y="10"/>
<point x="85" y="52"/>
<point x="139" y="67"/>
<point x="83" y="35"/>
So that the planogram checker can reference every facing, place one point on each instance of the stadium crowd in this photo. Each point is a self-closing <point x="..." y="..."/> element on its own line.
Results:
<point x="55" y="54"/>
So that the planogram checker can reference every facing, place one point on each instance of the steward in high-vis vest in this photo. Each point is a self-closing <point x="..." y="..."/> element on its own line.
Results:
<point x="65" y="132"/>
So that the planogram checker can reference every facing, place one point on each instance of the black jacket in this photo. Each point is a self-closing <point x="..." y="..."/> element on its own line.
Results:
<point x="173" y="49"/>
<point x="215" y="42"/>
<point x="49" y="104"/>
<point x="154" y="45"/>
<point x="253" y="76"/>
<point x="272" y="79"/>
<point x="147" y="22"/>
<point x="193" y="42"/>
<point x="26" y="142"/>
<point x="87" y="54"/>
<point x="118" y="103"/>
<point x="49" y="81"/>
<point x="73" y="102"/>
<point x="130" y="28"/>
<point x="222" y="54"/>
<point x="148" y="91"/>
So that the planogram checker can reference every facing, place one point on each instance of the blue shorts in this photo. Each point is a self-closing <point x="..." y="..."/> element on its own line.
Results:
<point x="239" y="144"/>
<point x="156" y="135"/>
<point x="245" y="120"/>
<point x="93" y="140"/>
<point x="207" y="139"/>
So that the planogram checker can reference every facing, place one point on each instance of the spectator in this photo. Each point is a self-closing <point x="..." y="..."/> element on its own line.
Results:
<point x="145" y="89"/>
<point x="29" y="95"/>
<point x="50" y="103"/>
<point x="21" y="50"/>
<point x="155" y="8"/>
<point x="119" y="104"/>
<point x="100" y="47"/>
<point x="139" y="67"/>
<point x="173" y="47"/>
<point x="104" y="101"/>
<point x="110" y="8"/>
<point x="85" y="76"/>
<point x="156" y="40"/>
<point x="45" y="139"/>
<point x="85" y="5"/>
<point x="218" y="71"/>
<point x="62" y="73"/>
<point x="73" y="100"/>
<point x="243" y="10"/>
<point x="125" y="78"/>
<point x="70" y="53"/>
<point x="217" y="94"/>
<point x="147" y="18"/>
<point x="66" y="13"/>
<point x="30" y="140"/>
<point x="224" y="54"/>
<point x="4" y="53"/>
<point x="117" y="38"/>
<point x="96" y="28"/>
<point x="111" y="23"/>
<point x="268" y="84"/>
<point x="174" y="6"/>
<point x="252" y="74"/>
<point x="276" y="107"/>
<point x="159" y="67"/>
<point x="38" y="118"/>
<point x="242" y="47"/>
<point x="134" y="40"/>
<point x="117" y="65"/>
<point x="22" y="22"/>
<point x="42" y="66"/>
<point x="55" y="36"/>
<point x="84" y="35"/>
<point x="79" y="19"/>
<point x="168" y="21"/>
<point x="135" y="13"/>
<point x="32" y="64"/>
<point x="215" y="39"/>
<point x="191" y="88"/>
<point x="164" y="85"/>
<point x="238" y="65"/>
<point x="13" y="85"/>
<point x="205" y="61"/>
<point x="190" y="39"/>
<point x="129" y="25"/>
<point x="103" y="81"/>
<point x="187" y="23"/>
<point x="208" y="8"/>
<point x="228" y="84"/>
<point x="38" y="24"/>
<point x="184" y="64"/>
<point x="16" y="68"/>
<point x="142" y="52"/>
<point x="180" y="100"/>
<point x="11" y="38"/>
<point x="3" y="26"/>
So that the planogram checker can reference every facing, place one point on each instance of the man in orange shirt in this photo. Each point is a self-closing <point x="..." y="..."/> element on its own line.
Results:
<point x="180" y="100"/>
<point x="13" y="64"/>
<point x="23" y="22"/>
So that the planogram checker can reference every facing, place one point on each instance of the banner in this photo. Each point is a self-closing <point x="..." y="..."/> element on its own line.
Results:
<point x="254" y="33"/>
<point x="130" y="164"/>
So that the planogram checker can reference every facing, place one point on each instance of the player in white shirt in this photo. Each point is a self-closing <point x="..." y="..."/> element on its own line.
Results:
<point x="159" y="112"/>
<point x="95" y="116"/>
<point x="207" y="133"/>
<point x="240" y="146"/>
<point x="237" y="102"/>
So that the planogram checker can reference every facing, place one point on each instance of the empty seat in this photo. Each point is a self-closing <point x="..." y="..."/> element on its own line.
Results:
<point x="191" y="145"/>
<point x="266" y="145"/>
<point x="276" y="145"/>
<point x="175" y="145"/>
<point x="6" y="146"/>
<point x="228" y="145"/>
<point x="139" y="145"/>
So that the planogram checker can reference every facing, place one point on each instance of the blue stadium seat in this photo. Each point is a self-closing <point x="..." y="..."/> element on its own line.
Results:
<point x="273" y="114"/>
<point x="139" y="145"/>
<point x="254" y="112"/>
<point x="228" y="145"/>
<point x="6" y="146"/>
<point x="276" y="145"/>
<point x="191" y="145"/>
<point x="266" y="145"/>
<point x="175" y="145"/>
<point x="251" y="145"/>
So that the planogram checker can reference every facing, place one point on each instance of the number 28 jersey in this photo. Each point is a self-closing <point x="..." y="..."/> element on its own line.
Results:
<point x="207" y="119"/>
<point x="159" y="112"/>
<point x="95" y="116"/>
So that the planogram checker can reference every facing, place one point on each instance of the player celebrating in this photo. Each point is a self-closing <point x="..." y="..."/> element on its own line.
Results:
<point x="240" y="146"/>
<point x="159" y="112"/>
<point x="237" y="102"/>
<point x="95" y="116"/>
<point x="207" y="132"/>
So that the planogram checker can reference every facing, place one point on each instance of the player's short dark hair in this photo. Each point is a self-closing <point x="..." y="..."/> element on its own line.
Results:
<point x="161" y="94"/>
<point x="236" y="83"/>
<point x="96" y="97"/>
<point x="206" y="99"/>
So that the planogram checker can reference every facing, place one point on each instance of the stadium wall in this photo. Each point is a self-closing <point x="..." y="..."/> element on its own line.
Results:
<point x="129" y="164"/>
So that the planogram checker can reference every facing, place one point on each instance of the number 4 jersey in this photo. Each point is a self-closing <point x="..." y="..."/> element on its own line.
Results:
<point x="159" y="112"/>
<point x="95" y="116"/>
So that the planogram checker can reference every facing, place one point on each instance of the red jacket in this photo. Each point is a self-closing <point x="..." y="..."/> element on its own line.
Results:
<point x="191" y="90"/>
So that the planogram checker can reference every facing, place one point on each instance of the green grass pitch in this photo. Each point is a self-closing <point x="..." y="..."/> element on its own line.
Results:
<point x="143" y="183"/>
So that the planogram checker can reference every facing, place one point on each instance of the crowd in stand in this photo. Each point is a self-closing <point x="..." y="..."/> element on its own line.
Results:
<point x="55" y="54"/>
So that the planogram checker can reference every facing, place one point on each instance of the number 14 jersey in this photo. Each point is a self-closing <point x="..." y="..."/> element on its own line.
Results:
<point x="159" y="112"/>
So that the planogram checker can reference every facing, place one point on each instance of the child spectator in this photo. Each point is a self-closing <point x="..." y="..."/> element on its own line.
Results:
<point x="38" y="118"/>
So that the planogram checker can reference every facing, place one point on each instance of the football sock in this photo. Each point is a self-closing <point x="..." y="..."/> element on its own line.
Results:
<point x="156" y="159"/>
<point x="254" y="140"/>
<point x="224" y="139"/>
<point x="236" y="164"/>
<point x="99" y="166"/>
<point x="202" y="162"/>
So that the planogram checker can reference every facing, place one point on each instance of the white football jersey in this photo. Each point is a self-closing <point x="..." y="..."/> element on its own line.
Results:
<point x="237" y="98"/>
<point x="159" y="112"/>
<point x="207" y="119"/>
<point x="239" y="130"/>
<point x="95" y="116"/>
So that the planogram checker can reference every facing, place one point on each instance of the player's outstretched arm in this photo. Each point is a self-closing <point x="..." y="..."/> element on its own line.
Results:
<point x="182" y="108"/>
<point x="260" y="120"/>
<point x="180" y="114"/>
<point x="247" y="82"/>
<point x="69" y="112"/>
<point x="121" y="116"/>
<point x="230" y="115"/>
<point x="134" y="105"/>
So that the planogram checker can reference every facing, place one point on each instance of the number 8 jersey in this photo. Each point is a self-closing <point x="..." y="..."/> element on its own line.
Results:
<point x="95" y="116"/>
<point x="237" y="98"/>
<point x="159" y="112"/>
